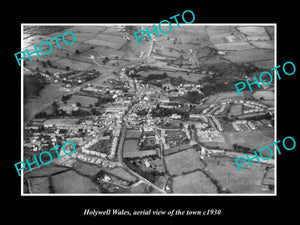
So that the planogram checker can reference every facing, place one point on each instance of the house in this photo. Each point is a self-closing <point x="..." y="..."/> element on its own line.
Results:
<point x="175" y="116"/>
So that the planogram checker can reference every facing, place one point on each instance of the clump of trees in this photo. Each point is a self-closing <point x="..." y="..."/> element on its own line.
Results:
<point x="155" y="77"/>
<point x="194" y="97"/>
<point x="243" y="149"/>
<point x="103" y="100"/>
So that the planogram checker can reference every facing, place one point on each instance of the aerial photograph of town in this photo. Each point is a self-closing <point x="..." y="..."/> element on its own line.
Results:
<point x="160" y="118"/>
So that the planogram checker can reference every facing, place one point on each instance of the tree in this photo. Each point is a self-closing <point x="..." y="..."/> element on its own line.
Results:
<point x="181" y="125"/>
<point x="194" y="96"/>
<point x="55" y="107"/>
<point x="77" y="52"/>
<point x="78" y="104"/>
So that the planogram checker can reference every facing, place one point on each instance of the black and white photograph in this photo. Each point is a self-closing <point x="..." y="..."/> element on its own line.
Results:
<point x="139" y="113"/>
<point x="155" y="115"/>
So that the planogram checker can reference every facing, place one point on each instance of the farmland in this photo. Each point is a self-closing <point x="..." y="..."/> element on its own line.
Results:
<point x="83" y="100"/>
<point x="71" y="182"/>
<point x="120" y="172"/>
<point x="224" y="169"/>
<point x="267" y="95"/>
<point x="45" y="171"/>
<point x="86" y="169"/>
<point x="39" y="185"/>
<point x="195" y="182"/>
<point x="246" y="139"/>
<point x="183" y="162"/>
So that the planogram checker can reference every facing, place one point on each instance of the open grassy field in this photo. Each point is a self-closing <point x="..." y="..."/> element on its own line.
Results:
<point x="236" y="109"/>
<point x="141" y="188"/>
<point x="86" y="168"/>
<point x="257" y="33"/>
<point x="183" y="162"/>
<point x="45" y="30"/>
<point x="131" y="145"/>
<point x="264" y="44"/>
<point x="121" y="172"/>
<point x="85" y="101"/>
<point x="45" y="171"/>
<point x="133" y="134"/>
<point x="87" y="29"/>
<point x="253" y="140"/>
<point x="264" y="64"/>
<point x="35" y="40"/>
<point x="251" y="55"/>
<point x="195" y="182"/>
<point x="224" y="169"/>
<point x="238" y="46"/>
<point x="220" y="31"/>
<point x="111" y="44"/>
<point x="39" y="185"/>
<point x="267" y="95"/>
<point x="71" y="182"/>
<point x="74" y="65"/>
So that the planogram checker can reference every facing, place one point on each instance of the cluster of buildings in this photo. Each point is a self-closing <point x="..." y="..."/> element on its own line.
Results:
<point x="254" y="107"/>
<point x="217" y="123"/>
<point x="246" y="123"/>
<point x="209" y="134"/>
<point x="97" y="161"/>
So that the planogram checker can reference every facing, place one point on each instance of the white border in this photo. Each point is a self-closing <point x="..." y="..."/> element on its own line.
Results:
<point x="147" y="24"/>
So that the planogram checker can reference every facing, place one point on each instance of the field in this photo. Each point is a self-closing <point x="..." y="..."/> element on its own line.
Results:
<point x="234" y="46"/>
<point x="265" y="44"/>
<point x="264" y="64"/>
<point x="83" y="100"/>
<point x="224" y="169"/>
<point x="257" y="33"/>
<point x="39" y="185"/>
<point x="86" y="168"/>
<point x="251" y="55"/>
<point x="253" y="140"/>
<point x="267" y="95"/>
<point x="195" y="182"/>
<point x="141" y="188"/>
<point x="45" y="30"/>
<point x="75" y="65"/>
<point x="45" y="171"/>
<point x="133" y="134"/>
<point x="71" y="182"/>
<point x="120" y="172"/>
<point x="97" y="42"/>
<point x="130" y="146"/>
<point x="236" y="109"/>
<point x="140" y="154"/>
<point x="131" y="149"/>
<point x="183" y="162"/>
